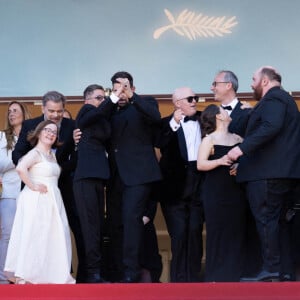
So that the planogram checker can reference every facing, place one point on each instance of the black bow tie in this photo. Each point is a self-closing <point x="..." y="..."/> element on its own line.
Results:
<point x="190" y="118"/>
<point x="227" y="107"/>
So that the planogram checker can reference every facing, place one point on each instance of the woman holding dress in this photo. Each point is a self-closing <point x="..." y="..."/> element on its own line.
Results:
<point x="39" y="249"/>
<point x="9" y="178"/>
<point x="223" y="201"/>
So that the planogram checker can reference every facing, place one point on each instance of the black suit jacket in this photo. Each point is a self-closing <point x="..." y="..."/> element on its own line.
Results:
<point x="92" y="159"/>
<point x="131" y="147"/>
<point x="240" y="119"/>
<point x="271" y="146"/>
<point x="173" y="163"/>
<point x="64" y="154"/>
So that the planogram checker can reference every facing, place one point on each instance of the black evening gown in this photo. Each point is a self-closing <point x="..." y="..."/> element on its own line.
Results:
<point x="224" y="209"/>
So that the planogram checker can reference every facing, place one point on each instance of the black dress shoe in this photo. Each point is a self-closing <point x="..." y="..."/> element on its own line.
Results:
<point x="130" y="279"/>
<point x="262" y="276"/>
<point x="95" y="278"/>
<point x="287" y="277"/>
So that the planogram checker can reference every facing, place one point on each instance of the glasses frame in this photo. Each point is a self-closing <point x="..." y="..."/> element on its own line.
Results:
<point x="214" y="84"/>
<point x="49" y="130"/>
<point x="190" y="99"/>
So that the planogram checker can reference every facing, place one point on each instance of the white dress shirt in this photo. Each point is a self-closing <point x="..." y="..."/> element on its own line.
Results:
<point x="192" y="134"/>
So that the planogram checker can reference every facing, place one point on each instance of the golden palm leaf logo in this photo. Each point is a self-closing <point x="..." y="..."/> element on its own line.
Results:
<point x="191" y="25"/>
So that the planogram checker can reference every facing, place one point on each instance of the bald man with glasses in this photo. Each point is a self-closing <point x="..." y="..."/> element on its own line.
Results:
<point x="179" y="141"/>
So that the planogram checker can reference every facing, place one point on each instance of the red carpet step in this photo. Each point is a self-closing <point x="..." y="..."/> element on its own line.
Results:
<point x="152" y="291"/>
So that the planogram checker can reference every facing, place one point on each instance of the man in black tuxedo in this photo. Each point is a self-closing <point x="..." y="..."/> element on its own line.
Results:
<point x="269" y="162"/>
<point x="224" y="87"/>
<point x="53" y="104"/>
<point x="134" y="169"/>
<point x="89" y="179"/>
<point x="180" y="188"/>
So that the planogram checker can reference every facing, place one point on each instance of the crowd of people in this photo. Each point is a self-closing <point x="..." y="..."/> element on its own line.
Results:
<point x="233" y="167"/>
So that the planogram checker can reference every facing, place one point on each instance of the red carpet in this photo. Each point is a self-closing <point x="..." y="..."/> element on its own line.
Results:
<point x="164" y="291"/>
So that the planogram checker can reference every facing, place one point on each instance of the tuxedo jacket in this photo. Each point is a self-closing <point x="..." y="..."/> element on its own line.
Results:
<point x="240" y="119"/>
<point x="131" y="146"/>
<point x="92" y="159"/>
<point x="64" y="154"/>
<point x="271" y="146"/>
<point x="173" y="162"/>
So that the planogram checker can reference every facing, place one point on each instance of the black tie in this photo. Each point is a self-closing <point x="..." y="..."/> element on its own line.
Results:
<point x="190" y="118"/>
<point x="227" y="107"/>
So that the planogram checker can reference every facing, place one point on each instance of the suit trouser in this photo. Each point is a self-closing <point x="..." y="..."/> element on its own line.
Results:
<point x="66" y="188"/>
<point x="89" y="197"/>
<point x="184" y="220"/>
<point x="126" y="207"/>
<point x="150" y="257"/>
<point x="133" y="207"/>
<point x="266" y="198"/>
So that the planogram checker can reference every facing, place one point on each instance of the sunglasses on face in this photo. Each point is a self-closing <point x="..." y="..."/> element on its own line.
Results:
<point x="190" y="99"/>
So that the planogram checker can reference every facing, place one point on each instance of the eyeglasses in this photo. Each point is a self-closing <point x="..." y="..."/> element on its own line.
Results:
<point x="214" y="84"/>
<point x="190" y="99"/>
<point x="99" y="98"/>
<point x="48" y="130"/>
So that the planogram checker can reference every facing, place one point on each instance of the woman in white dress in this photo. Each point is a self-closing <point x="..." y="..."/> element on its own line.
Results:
<point x="9" y="178"/>
<point x="39" y="249"/>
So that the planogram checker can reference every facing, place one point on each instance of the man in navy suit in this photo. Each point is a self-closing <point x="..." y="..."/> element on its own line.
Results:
<point x="269" y="162"/>
<point x="53" y="104"/>
<point x="89" y="179"/>
<point x="180" y="188"/>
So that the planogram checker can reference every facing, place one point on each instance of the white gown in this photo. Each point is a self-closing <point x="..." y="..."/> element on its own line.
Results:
<point x="39" y="249"/>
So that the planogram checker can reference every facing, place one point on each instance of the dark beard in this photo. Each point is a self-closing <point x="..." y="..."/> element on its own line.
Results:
<point x="257" y="93"/>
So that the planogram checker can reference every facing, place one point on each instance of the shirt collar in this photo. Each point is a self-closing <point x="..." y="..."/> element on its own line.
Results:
<point x="233" y="103"/>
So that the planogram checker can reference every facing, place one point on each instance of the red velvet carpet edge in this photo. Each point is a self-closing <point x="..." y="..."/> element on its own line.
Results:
<point x="146" y="291"/>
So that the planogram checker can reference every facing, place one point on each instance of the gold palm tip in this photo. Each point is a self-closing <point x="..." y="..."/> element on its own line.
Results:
<point x="191" y="25"/>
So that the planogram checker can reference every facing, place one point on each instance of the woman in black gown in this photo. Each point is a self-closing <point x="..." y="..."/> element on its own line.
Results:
<point x="223" y="201"/>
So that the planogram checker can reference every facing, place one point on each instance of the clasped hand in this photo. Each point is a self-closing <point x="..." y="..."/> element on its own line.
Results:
<point x="39" y="187"/>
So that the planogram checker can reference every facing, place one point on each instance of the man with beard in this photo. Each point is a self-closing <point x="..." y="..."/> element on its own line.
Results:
<point x="269" y="163"/>
<point x="134" y="169"/>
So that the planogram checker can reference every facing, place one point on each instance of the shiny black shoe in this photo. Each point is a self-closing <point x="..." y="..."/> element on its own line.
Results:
<point x="262" y="276"/>
<point x="95" y="278"/>
<point x="130" y="279"/>
<point x="287" y="277"/>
